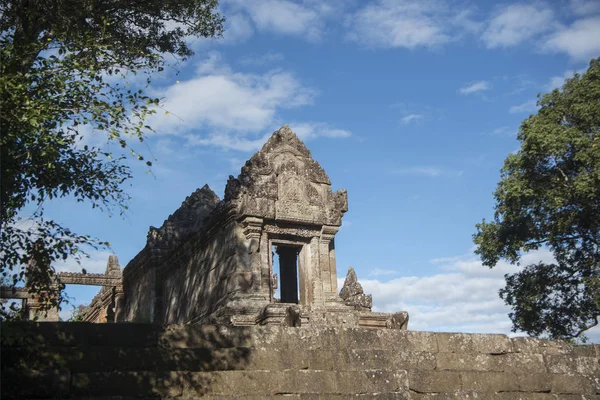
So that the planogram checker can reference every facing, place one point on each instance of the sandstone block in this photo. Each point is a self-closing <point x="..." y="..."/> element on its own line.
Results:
<point x="534" y="382"/>
<point x="560" y="364"/>
<point x="540" y="346"/>
<point x="489" y="381"/>
<point x="473" y="343"/>
<point x="574" y="384"/>
<point x="433" y="381"/>
<point x="146" y="384"/>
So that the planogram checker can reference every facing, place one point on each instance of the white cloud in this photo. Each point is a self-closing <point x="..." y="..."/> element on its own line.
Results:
<point x="223" y="100"/>
<point x="298" y="19"/>
<point x="237" y="29"/>
<point x="428" y="171"/>
<point x="527" y="107"/>
<point x="474" y="87"/>
<point x="96" y="264"/>
<point x="234" y="110"/>
<point x="311" y="130"/>
<point x="462" y="296"/>
<point x="227" y="141"/>
<point x="401" y="23"/>
<point x="581" y="40"/>
<point x="412" y="118"/>
<point x="517" y="23"/>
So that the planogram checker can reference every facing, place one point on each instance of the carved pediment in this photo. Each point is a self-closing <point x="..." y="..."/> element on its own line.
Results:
<point x="283" y="182"/>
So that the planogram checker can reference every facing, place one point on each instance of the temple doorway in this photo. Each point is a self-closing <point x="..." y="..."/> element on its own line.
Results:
<point x="285" y="266"/>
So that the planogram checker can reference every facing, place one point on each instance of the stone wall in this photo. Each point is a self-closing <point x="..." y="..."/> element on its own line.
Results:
<point x="139" y="276"/>
<point x="78" y="360"/>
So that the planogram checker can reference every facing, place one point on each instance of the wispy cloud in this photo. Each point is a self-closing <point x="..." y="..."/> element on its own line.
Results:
<point x="304" y="19"/>
<point x="96" y="263"/>
<point x="580" y="40"/>
<point x="527" y="107"/>
<point x="402" y="23"/>
<point x="236" y="110"/>
<point x="461" y="296"/>
<point x="311" y="130"/>
<point x="517" y="23"/>
<point x="412" y="118"/>
<point x="475" y="87"/>
<point x="428" y="171"/>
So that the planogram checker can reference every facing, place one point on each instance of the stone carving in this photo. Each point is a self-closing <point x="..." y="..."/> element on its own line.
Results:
<point x="353" y="294"/>
<point x="398" y="320"/>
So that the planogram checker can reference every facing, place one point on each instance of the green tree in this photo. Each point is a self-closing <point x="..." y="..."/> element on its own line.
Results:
<point x="549" y="197"/>
<point x="64" y="70"/>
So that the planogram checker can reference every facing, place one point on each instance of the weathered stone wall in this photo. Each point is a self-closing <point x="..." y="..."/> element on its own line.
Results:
<point x="206" y="272"/>
<point x="140" y="275"/>
<point x="78" y="360"/>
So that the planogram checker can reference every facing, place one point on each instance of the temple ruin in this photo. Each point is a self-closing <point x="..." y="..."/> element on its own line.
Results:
<point x="213" y="261"/>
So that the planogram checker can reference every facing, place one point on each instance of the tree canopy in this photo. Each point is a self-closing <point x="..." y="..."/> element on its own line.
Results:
<point x="549" y="197"/>
<point x="64" y="66"/>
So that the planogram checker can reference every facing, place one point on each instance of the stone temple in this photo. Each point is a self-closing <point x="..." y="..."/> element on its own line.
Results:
<point x="213" y="261"/>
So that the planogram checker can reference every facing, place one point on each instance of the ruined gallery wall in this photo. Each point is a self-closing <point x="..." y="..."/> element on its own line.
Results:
<point x="141" y="285"/>
<point x="205" y="272"/>
<point x="138" y="286"/>
<point x="78" y="360"/>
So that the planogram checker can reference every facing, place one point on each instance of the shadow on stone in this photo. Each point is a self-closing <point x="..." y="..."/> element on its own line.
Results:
<point x="53" y="360"/>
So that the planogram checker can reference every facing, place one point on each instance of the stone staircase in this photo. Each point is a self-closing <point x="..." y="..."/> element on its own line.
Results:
<point x="123" y="361"/>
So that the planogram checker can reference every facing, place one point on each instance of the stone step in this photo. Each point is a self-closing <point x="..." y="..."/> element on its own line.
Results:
<point x="107" y="359"/>
<point x="303" y="338"/>
<point x="234" y="383"/>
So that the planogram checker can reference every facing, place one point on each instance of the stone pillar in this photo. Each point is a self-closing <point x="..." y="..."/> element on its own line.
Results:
<point x="327" y="266"/>
<point x="257" y="247"/>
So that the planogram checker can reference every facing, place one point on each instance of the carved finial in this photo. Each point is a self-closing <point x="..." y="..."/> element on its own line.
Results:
<point x="353" y="294"/>
<point x="112" y="266"/>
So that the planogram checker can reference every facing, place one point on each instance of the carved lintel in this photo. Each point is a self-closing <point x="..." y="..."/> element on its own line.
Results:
<point x="328" y="232"/>
<point x="72" y="278"/>
<point x="301" y="232"/>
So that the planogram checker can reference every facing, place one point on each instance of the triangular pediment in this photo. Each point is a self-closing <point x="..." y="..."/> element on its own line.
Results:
<point x="283" y="182"/>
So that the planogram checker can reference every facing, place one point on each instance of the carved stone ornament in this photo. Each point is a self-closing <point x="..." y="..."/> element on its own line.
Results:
<point x="353" y="294"/>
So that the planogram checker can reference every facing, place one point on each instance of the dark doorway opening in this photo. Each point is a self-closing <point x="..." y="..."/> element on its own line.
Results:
<point x="285" y="265"/>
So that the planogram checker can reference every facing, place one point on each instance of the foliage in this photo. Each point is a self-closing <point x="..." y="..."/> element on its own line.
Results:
<point x="64" y="70"/>
<point x="549" y="197"/>
<point x="79" y="313"/>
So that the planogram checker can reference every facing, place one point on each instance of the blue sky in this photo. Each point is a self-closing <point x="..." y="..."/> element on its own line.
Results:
<point x="411" y="106"/>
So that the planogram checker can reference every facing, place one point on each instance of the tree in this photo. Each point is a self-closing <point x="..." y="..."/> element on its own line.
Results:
<point x="64" y="70"/>
<point x="549" y="197"/>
